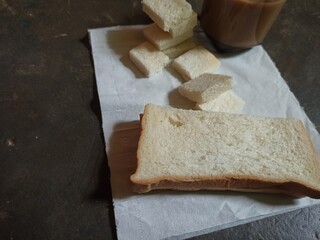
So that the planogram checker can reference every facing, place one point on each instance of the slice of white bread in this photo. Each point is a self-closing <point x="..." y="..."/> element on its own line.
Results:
<point x="226" y="102"/>
<point x="148" y="59"/>
<point x="192" y="150"/>
<point x="195" y="62"/>
<point x="167" y="13"/>
<point x="205" y="87"/>
<point x="185" y="23"/>
<point x="163" y="40"/>
<point x="176" y="51"/>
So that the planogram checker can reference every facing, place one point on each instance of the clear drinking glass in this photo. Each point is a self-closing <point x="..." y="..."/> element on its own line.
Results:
<point x="235" y="25"/>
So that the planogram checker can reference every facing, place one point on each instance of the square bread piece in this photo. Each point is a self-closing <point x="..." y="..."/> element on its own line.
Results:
<point x="167" y="13"/>
<point x="176" y="51"/>
<point x="195" y="62"/>
<point x="205" y="87"/>
<point x="163" y="40"/>
<point x="228" y="102"/>
<point x="192" y="150"/>
<point x="148" y="59"/>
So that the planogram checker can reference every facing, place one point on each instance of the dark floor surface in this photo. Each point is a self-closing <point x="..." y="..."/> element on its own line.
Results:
<point x="54" y="179"/>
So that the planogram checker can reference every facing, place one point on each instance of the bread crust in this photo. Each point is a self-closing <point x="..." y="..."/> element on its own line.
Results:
<point x="163" y="40"/>
<point x="240" y="185"/>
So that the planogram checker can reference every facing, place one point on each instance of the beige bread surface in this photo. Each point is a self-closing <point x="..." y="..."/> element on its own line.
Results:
<point x="187" y="149"/>
<point x="226" y="102"/>
<point x="176" y="51"/>
<point x="163" y="40"/>
<point x="167" y="13"/>
<point x="205" y="87"/>
<point x="148" y="59"/>
<point x="195" y="62"/>
<point x="184" y="24"/>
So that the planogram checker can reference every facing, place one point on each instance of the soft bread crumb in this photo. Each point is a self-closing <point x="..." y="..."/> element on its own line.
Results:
<point x="148" y="59"/>
<point x="205" y="87"/>
<point x="195" y="62"/>
<point x="226" y="102"/>
<point x="167" y="13"/>
<point x="185" y="24"/>
<point x="191" y="146"/>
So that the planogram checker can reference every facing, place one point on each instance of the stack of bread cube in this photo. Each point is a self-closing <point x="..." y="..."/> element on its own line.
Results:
<point x="169" y="36"/>
<point x="170" y="39"/>
<point x="212" y="92"/>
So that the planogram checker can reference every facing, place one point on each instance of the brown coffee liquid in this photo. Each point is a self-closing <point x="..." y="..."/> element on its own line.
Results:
<point x="238" y="24"/>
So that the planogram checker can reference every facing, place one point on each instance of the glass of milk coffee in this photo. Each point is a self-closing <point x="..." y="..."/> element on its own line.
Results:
<point x="235" y="25"/>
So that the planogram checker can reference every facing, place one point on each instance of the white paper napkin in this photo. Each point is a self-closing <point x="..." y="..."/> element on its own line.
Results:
<point x="123" y="93"/>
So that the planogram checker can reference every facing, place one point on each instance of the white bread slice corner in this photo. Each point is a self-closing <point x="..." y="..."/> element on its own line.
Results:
<point x="163" y="40"/>
<point x="226" y="102"/>
<point x="148" y="59"/>
<point x="195" y="62"/>
<point x="167" y="13"/>
<point x="176" y="51"/>
<point x="193" y="150"/>
<point x="205" y="87"/>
